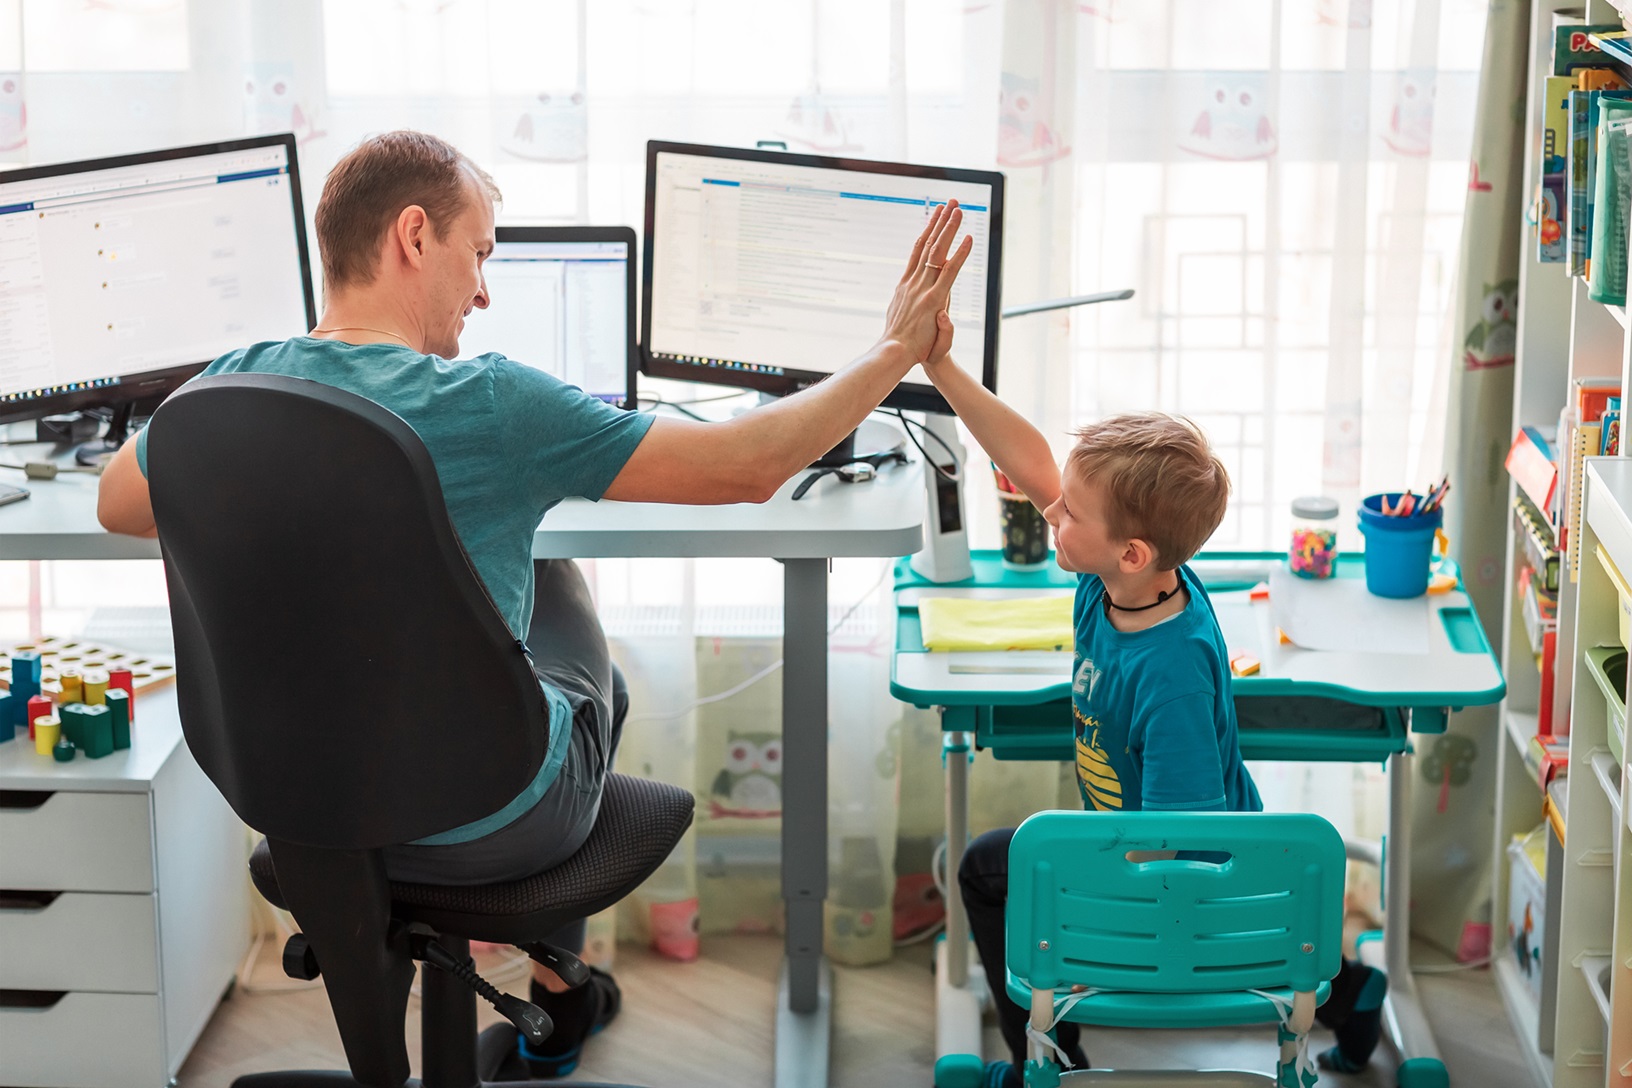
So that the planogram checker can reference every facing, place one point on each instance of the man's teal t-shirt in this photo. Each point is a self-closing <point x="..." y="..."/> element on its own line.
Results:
<point x="509" y="443"/>
<point x="1154" y="719"/>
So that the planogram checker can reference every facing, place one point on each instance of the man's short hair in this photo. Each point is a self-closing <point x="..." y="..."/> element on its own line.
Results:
<point x="367" y="190"/>
<point x="1163" y="483"/>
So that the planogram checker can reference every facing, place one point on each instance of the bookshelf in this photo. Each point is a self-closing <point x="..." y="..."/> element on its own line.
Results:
<point x="1563" y="1024"/>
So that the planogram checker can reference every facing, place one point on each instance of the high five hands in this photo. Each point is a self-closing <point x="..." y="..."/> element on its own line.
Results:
<point x="917" y="317"/>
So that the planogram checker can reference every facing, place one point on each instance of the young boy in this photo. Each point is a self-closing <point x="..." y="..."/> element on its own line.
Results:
<point x="1155" y="723"/>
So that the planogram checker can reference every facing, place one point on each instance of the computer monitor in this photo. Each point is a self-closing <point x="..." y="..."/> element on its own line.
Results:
<point x="562" y="299"/>
<point x="771" y="270"/>
<point x="120" y="278"/>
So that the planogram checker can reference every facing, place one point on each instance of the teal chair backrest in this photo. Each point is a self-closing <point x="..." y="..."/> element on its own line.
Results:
<point x="1267" y="915"/>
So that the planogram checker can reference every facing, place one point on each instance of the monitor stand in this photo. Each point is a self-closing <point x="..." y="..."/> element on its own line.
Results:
<point x="97" y="451"/>
<point x="871" y="439"/>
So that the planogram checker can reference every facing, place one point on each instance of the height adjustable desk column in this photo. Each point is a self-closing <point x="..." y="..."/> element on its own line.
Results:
<point x="877" y="519"/>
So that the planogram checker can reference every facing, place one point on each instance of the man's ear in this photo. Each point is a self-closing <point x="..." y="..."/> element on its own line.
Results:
<point x="412" y="233"/>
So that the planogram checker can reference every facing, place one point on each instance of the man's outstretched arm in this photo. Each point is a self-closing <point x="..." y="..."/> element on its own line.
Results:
<point x="746" y="459"/>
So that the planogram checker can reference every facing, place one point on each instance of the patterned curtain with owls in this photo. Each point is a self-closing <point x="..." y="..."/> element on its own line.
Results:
<point x="1282" y="182"/>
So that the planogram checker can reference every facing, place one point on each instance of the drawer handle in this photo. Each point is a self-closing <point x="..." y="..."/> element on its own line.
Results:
<point x="30" y="999"/>
<point x="11" y="899"/>
<point x="24" y="798"/>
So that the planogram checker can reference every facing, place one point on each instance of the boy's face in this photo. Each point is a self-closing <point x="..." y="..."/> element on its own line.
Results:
<point x="1082" y="537"/>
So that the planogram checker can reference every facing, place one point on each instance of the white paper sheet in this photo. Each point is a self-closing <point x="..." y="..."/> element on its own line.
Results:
<point x="1339" y="614"/>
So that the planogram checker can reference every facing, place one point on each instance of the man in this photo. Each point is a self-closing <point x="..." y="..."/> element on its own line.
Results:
<point x="403" y="227"/>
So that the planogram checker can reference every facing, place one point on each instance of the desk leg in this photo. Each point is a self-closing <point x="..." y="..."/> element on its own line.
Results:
<point x="959" y="991"/>
<point x="1420" y="1063"/>
<point x="804" y="996"/>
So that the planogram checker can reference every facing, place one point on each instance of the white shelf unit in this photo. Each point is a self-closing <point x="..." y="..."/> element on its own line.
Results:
<point x="1562" y="335"/>
<point x="1593" y="1040"/>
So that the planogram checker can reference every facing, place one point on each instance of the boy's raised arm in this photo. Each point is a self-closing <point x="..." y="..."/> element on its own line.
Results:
<point x="1014" y="445"/>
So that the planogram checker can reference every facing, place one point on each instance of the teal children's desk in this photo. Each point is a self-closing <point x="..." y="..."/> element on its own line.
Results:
<point x="1344" y="706"/>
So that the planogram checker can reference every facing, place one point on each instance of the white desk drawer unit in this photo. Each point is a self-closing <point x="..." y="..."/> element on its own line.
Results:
<point x="123" y="910"/>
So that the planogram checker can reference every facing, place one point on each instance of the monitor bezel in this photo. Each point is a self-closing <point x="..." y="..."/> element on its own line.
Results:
<point x="912" y="396"/>
<point x="152" y="386"/>
<point x="625" y="235"/>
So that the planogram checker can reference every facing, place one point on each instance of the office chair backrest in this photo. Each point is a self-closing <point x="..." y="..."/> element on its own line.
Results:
<point x="1082" y="914"/>
<point x="343" y="676"/>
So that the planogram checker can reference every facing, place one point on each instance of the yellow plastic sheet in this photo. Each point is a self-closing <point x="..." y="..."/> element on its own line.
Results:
<point x="1017" y="623"/>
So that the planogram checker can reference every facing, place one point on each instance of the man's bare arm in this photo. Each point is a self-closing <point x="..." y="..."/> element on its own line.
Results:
<point x="122" y="501"/>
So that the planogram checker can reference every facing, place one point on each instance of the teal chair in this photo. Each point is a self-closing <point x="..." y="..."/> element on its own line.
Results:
<point x="1250" y="936"/>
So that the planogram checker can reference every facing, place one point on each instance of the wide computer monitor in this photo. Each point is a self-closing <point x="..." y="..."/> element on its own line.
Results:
<point x="771" y="270"/>
<point x="120" y="278"/>
<point x="562" y="299"/>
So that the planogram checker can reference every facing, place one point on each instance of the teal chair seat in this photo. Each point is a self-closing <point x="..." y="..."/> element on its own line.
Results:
<point x="1122" y="1009"/>
<point x="1174" y="920"/>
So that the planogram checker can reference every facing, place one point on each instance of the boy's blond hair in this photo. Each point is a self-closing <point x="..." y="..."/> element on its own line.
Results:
<point x="1163" y="483"/>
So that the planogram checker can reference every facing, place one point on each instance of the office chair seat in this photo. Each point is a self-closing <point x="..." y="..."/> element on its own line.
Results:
<point x="639" y="821"/>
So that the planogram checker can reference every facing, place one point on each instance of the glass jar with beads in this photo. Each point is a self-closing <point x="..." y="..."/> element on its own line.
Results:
<point x="1313" y="553"/>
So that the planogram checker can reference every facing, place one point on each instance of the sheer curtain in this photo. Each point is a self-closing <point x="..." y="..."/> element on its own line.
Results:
<point x="1281" y="180"/>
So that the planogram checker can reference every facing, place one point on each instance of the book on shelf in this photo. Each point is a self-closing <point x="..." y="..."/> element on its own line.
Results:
<point x="1553" y="200"/>
<point x="1551" y="757"/>
<point x="1609" y="442"/>
<point x="1573" y="44"/>
<point x="1531" y="462"/>
<point x="1544" y="705"/>
<point x="1592" y="86"/>
<point x="1583" y="429"/>
<point x="1540" y="549"/>
<point x="1611" y="200"/>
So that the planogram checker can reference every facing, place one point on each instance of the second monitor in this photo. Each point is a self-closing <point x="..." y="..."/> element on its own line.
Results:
<point x="770" y="270"/>
<point x="562" y="300"/>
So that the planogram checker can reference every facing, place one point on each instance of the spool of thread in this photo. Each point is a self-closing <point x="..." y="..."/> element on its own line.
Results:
<point x="95" y="686"/>
<point x="62" y="751"/>
<point x="125" y="682"/>
<point x="47" y="731"/>
<point x="39" y="706"/>
<point x="72" y="687"/>
<point x="119" y="711"/>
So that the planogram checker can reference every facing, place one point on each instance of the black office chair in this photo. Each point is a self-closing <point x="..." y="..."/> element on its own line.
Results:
<point x="346" y="682"/>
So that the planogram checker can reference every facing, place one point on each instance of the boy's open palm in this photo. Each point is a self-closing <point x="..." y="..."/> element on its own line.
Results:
<point x="917" y="316"/>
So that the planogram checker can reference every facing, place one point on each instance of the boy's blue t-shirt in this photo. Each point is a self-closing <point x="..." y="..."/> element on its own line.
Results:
<point x="1154" y="719"/>
<point x="509" y="443"/>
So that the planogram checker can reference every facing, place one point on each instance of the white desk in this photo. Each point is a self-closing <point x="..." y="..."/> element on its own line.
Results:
<point x="882" y="518"/>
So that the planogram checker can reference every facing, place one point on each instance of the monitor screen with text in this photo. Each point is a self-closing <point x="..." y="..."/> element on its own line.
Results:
<point x="116" y="271"/>
<point x="773" y="270"/>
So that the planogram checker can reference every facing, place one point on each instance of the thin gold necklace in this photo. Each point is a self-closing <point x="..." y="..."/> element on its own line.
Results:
<point x="362" y="328"/>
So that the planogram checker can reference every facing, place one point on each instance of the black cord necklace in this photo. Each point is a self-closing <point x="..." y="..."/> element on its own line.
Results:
<point x="1160" y="598"/>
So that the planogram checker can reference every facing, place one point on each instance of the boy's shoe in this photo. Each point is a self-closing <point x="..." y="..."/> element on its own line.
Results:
<point x="1002" y="1073"/>
<point x="1358" y="1034"/>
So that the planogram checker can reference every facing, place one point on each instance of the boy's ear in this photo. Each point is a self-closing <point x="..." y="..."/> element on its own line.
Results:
<point x="1137" y="556"/>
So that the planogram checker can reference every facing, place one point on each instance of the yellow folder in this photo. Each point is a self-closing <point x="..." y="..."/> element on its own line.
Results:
<point x="1016" y="623"/>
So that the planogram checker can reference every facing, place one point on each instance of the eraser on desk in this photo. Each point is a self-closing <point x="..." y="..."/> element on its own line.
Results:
<point x="1283" y="637"/>
<point x="1260" y="592"/>
<point x="1244" y="664"/>
<point x="1442" y="583"/>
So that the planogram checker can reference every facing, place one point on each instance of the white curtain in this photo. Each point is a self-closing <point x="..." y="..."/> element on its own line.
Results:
<point x="1281" y="180"/>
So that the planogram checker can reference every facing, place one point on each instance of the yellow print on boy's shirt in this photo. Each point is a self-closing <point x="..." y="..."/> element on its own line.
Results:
<point x="1098" y="779"/>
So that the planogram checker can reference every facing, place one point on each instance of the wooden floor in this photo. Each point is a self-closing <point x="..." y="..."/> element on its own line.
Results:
<point x="710" y="1023"/>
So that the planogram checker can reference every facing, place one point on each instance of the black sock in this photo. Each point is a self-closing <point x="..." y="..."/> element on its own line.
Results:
<point x="573" y="1013"/>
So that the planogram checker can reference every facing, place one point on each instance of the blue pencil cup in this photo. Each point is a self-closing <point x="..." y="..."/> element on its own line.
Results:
<point x="1399" y="551"/>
